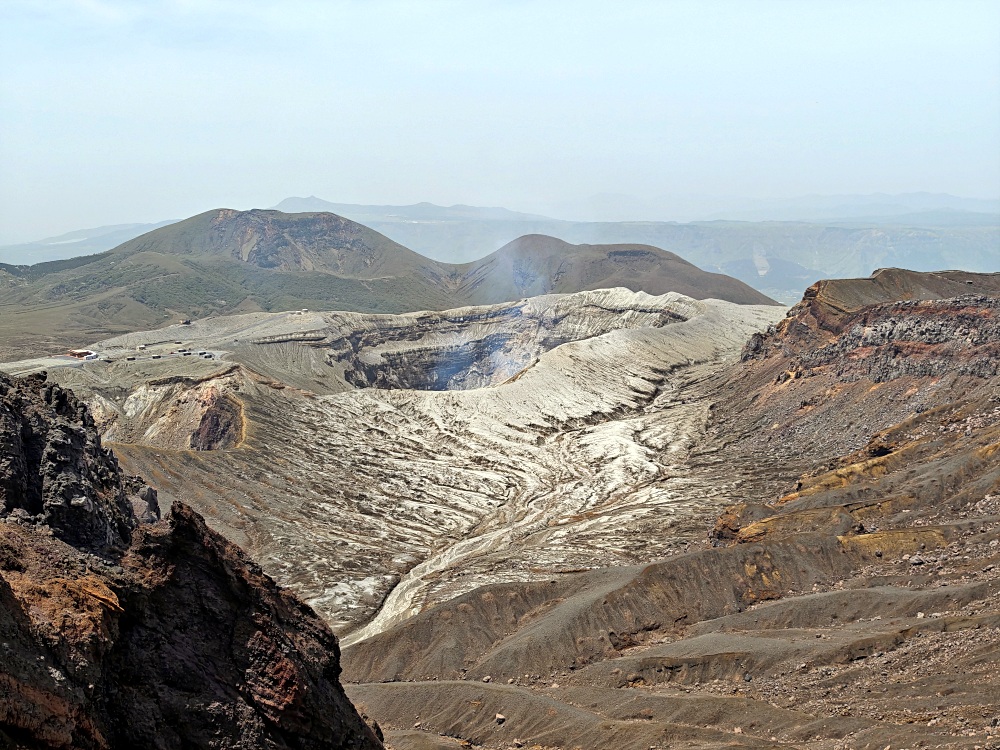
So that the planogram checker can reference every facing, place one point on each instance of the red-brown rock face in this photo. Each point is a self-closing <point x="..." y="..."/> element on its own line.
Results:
<point x="877" y="396"/>
<point x="856" y="357"/>
<point x="116" y="634"/>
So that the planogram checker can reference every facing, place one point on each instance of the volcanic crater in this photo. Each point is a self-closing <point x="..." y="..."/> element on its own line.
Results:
<point x="609" y="518"/>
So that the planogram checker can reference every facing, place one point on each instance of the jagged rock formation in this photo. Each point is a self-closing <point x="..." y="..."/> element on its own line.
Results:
<point x="117" y="633"/>
<point x="829" y="308"/>
<point x="55" y="473"/>
<point x="858" y="356"/>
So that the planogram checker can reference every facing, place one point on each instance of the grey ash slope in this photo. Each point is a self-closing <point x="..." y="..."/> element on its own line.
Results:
<point x="493" y="435"/>
<point x="225" y="261"/>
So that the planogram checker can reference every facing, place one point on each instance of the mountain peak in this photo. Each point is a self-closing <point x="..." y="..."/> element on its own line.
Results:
<point x="273" y="240"/>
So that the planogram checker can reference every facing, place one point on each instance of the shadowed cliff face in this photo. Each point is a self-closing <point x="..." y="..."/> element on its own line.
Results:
<point x="117" y="633"/>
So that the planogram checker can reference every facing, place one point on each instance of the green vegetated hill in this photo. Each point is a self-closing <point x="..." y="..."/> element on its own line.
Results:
<point x="225" y="261"/>
<point x="778" y="250"/>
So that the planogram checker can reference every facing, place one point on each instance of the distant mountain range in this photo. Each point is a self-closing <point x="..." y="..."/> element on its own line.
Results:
<point x="74" y="244"/>
<point x="874" y="207"/>
<point x="808" y="208"/>
<point x="416" y="212"/>
<point x="226" y="261"/>
<point x="778" y="258"/>
<point x="822" y="236"/>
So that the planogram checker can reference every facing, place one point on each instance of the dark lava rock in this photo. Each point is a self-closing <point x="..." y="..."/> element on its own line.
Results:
<point x="116" y="632"/>
<point x="54" y="469"/>
<point x="221" y="426"/>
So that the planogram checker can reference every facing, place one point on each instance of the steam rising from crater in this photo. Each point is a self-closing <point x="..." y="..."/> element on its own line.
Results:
<point x="476" y="347"/>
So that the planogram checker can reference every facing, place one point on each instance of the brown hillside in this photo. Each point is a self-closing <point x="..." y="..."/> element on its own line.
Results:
<point x="537" y="264"/>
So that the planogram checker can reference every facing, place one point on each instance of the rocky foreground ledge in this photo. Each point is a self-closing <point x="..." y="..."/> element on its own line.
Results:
<point x="120" y="630"/>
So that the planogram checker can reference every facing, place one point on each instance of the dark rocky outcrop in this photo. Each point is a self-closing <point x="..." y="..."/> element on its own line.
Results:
<point x="221" y="425"/>
<point x="893" y="305"/>
<point x="887" y="341"/>
<point x="54" y="471"/>
<point x="117" y="633"/>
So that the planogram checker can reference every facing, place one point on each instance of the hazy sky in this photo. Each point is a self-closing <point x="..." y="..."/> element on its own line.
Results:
<point x="114" y="111"/>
